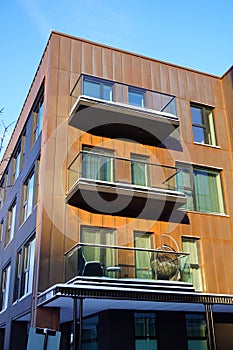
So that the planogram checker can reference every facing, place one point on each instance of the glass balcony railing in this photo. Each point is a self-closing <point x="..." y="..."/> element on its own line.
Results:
<point x="95" y="260"/>
<point x="111" y="91"/>
<point x="121" y="171"/>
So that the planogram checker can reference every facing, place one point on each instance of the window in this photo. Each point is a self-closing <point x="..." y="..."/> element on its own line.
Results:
<point x="139" y="170"/>
<point x="202" y="187"/>
<point x="5" y="285"/>
<point x="30" y="193"/>
<point x="17" y="161"/>
<point x="98" y="88"/>
<point x="103" y="236"/>
<point x="196" y="330"/>
<point x="24" y="270"/>
<point x="203" y="125"/>
<point x="136" y="97"/>
<point x="145" y="329"/>
<point x="190" y="245"/>
<point x="97" y="164"/>
<point x="3" y="189"/>
<point x="90" y="327"/>
<point x="37" y="118"/>
<point x="142" y="258"/>
<point x="10" y="224"/>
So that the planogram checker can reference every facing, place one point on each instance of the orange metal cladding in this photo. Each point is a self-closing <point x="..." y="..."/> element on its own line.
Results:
<point x="58" y="224"/>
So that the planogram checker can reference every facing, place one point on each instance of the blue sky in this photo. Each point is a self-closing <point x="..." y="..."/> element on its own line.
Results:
<point x="195" y="34"/>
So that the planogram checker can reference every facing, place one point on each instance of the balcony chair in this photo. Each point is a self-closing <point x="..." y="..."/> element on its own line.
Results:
<point x="88" y="268"/>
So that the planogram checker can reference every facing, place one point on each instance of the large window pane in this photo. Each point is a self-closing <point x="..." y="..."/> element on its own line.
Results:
<point x="136" y="97"/>
<point x="97" y="165"/>
<point x="143" y="268"/>
<point x="190" y="245"/>
<point x="97" y="88"/>
<point x="139" y="170"/>
<point x="5" y="285"/>
<point x="145" y="327"/>
<point x="203" y="125"/>
<point x="202" y="187"/>
<point x="103" y="236"/>
<point x="196" y="332"/>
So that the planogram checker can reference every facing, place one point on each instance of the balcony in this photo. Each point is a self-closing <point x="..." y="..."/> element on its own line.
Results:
<point x="104" y="184"/>
<point x="95" y="260"/>
<point x="116" y="110"/>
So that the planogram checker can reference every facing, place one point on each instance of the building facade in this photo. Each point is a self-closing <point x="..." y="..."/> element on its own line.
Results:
<point x="116" y="211"/>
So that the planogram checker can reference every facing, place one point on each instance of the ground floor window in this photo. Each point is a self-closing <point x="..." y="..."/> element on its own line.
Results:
<point x="145" y="327"/>
<point x="196" y="332"/>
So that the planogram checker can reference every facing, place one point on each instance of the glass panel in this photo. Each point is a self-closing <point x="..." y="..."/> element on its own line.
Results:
<point x="183" y="184"/>
<point x="136" y="98"/>
<point x="144" y="344"/>
<point x="98" y="167"/>
<point x="91" y="88"/>
<point x="90" y="333"/>
<point x="107" y="92"/>
<point x="143" y="268"/>
<point x="145" y="325"/>
<point x="196" y="115"/>
<point x="198" y="134"/>
<point x="139" y="171"/>
<point x="207" y="195"/>
<point x="196" y="326"/>
<point x="197" y="345"/>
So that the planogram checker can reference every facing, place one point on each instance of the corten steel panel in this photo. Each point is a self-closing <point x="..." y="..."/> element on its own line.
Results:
<point x="174" y="84"/>
<point x="208" y="91"/>
<point x="54" y="47"/>
<point x="86" y="65"/>
<point x="117" y="65"/>
<point x="165" y="82"/>
<point x="127" y="73"/>
<point x="107" y="64"/>
<point x="145" y="73"/>
<point x="76" y="48"/>
<point x="97" y="61"/>
<point x="136" y="69"/>
<point x="199" y="87"/>
<point x="155" y="76"/>
<point x="65" y="54"/>
<point x="191" y="87"/>
<point x="182" y="83"/>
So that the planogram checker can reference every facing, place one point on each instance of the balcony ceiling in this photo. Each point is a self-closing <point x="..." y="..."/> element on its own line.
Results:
<point x="117" y="120"/>
<point x="124" y="199"/>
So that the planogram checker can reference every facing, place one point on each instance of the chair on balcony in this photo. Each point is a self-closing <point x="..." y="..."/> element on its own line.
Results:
<point x="88" y="268"/>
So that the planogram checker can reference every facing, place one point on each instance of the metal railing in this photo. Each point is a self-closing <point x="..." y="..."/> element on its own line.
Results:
<point x="112" y="91"/>
<point x="127" y="262"/>
<point x="117" y="170"/>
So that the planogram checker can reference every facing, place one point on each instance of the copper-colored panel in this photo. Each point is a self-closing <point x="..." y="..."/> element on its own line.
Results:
<point x="127" y="69"/>
<point x="165" y="83"/>
<point x="146" y="74"/>
<point x="76" y="47"/>
<point x="208" y="92"/>
<point x="117" y="65"/>
<point x="86" y="64"/>
<point x="107" y="63"/>
<point x="65" y="54"/>
<point x="57" y="256"/>
<point x="182" y="83"/>
<point x="136" y="68"/>
<point x="63" y="102"/>
<point x="199" y="88"/>
<point x="155" y="76"/>
<point x="191" y="87"/>
<point x="52" y="92"/>
<point x="173" y="80"/>
<point x="97" y="61"/>
<point x="53" y="51"/>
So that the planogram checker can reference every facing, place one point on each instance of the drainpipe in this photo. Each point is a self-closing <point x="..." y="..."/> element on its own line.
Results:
<point x="77" y="341"/>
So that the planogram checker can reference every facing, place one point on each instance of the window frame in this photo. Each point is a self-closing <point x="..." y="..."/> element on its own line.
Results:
<point x="5" y="287"/>
<point x="195" y="265"/>
<point x="11" y="221"/>
<point x="195" y="195"/>
<point x="138" y="91"/>
<point x="205" y="111"/>
<point x="143" y="160"/>
<point x="37" y="114"/>
<point x="24" y="269"/>
<point x="102" y="83"/>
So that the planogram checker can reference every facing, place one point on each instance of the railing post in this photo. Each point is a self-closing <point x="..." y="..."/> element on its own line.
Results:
<point x="210" y="326"/>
